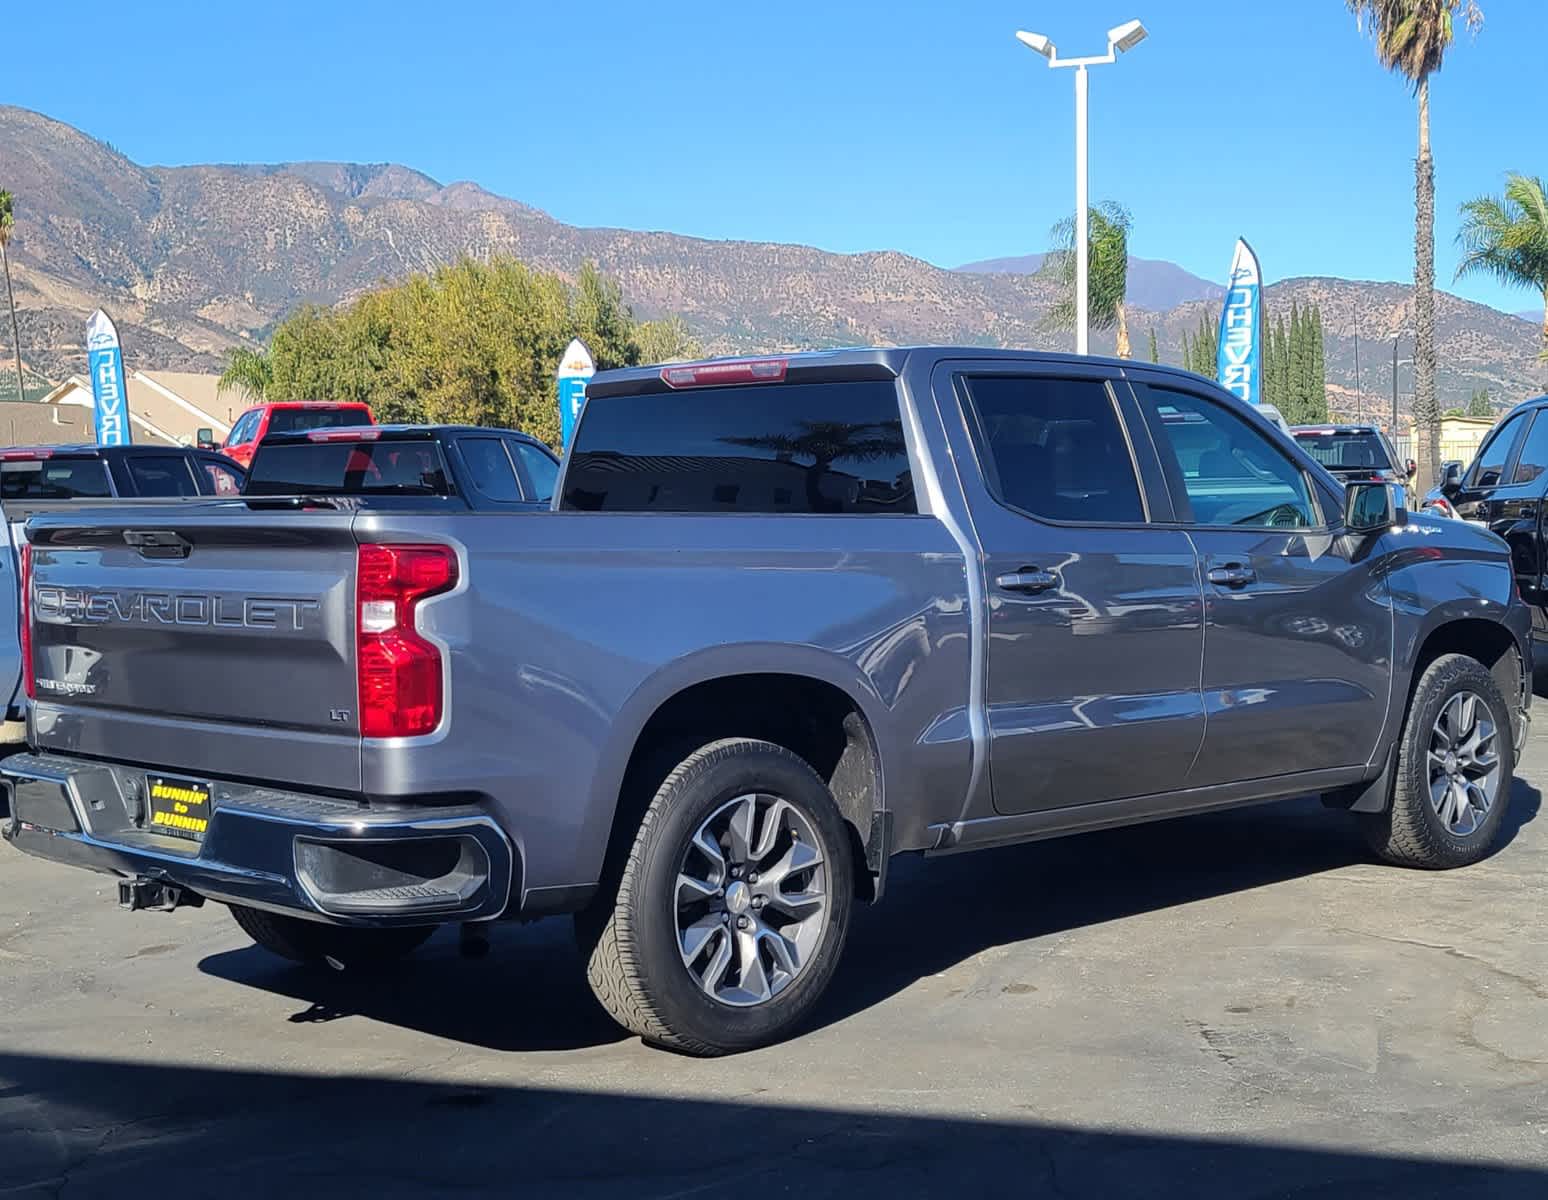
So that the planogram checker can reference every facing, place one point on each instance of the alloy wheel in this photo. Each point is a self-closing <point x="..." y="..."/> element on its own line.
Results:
<point x="1464" y="764"/>
<point x="751" y="899"/>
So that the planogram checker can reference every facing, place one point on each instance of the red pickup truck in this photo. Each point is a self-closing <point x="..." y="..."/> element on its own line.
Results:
<point x="289" y="416"/>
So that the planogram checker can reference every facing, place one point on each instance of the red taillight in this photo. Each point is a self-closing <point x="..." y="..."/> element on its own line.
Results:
<point x="747" y="370"/>
<point x="28" y="678"/>
<point x="25" y="455"/>
<point x="399" y="671"/>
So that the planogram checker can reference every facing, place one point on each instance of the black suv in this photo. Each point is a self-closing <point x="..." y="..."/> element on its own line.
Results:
<point x="1505" y="488"/>
<point x="1354" y="453"/>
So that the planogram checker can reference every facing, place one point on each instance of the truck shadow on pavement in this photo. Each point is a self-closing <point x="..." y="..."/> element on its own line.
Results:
<point x="110" y="1128"/>
<point x="936" y="914"/>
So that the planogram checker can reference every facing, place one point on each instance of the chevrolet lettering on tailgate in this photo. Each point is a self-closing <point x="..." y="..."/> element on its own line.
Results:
<point x="83" y="606"/>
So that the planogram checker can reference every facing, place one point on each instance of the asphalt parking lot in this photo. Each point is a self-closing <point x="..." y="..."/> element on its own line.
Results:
<point x="1240" y="1005"/>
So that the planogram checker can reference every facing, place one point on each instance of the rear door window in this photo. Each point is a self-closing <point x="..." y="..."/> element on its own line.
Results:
<point x="771" y="448"/>
<point x="348" y="469"/>
<point x="489" y="468"/>
<point x="54" y="479"/>
<point x="1055" y="448"/>
<point x="220" y="477"/>
<point x="161" y="475"/>
<point x="542" y="470"/>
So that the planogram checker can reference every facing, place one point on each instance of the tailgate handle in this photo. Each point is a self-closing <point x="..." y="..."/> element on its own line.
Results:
<point x="158" y="543"/>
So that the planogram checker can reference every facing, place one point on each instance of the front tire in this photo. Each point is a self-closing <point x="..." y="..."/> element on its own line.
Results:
<point x="733" y="905"/>
<point x="1455" y="764"/>
<point x="313" y="943"/>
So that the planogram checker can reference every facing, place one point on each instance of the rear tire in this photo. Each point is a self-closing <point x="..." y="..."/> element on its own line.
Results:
<point x="314" y="944"/>
<point x="733" y="905"/>
<point x="1444" y="812"/>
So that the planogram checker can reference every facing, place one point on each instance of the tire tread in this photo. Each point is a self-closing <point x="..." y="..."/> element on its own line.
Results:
<point x="613" y="970"/>
<point x="1405" y="832"/>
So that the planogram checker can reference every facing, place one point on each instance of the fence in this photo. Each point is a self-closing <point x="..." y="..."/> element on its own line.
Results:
<point x="1460" y="449"/>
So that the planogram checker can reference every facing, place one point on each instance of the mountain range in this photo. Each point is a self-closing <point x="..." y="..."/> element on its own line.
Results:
<point x="1152" y="284"/>
<point x="194" y="260"/>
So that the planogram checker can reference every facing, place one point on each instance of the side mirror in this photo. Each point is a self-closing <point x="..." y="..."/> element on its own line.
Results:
<point x="1370" y="507"/>
<point x="205" y="438"/>
<point x="1451" y="477"/>
<point x="1411" y="467"/>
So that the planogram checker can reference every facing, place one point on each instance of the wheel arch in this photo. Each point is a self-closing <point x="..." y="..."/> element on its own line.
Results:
<point x="817" y="705"/>
<point x="1491" y="643"/>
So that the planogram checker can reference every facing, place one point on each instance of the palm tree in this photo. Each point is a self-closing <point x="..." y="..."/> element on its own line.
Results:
<point x="1507" y="237"/>
<point x="1108" y="273"/>
<point x="248" y="370"/>
<point x="825" y="443"/>
<point x="1412" y="37"/>
<point x="7" y="225"/>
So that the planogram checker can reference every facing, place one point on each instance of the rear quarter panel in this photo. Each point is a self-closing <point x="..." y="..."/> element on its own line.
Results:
<point x="569" y="630"/>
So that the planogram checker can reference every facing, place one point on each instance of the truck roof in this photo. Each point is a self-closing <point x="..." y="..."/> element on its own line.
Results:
<point x="90" y="450"/>
<point x="825" y="366"/>
<point x="390" y="433"/>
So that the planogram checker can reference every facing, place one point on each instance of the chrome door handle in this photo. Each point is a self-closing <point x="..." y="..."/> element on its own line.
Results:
<point x="1028" y="579"/>
<point x="1235" y="575"/>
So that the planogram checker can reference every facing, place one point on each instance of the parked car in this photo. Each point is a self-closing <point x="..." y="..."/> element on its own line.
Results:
<point x="1505" y="489"/>
<point x="36" y="479"/>
<point x="789" y="618"/>
<point x="471" y="467"/>
<point x="1355" y="452"/>
<point x="289" y="416"/>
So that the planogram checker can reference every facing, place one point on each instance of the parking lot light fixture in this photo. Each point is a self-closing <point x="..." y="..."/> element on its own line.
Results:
<point x="1120" y="39"/>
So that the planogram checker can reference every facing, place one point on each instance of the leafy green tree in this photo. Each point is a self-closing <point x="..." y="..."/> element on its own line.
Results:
<point x="1108" y="272"/>
<point x="475" y="342"/>
<point x="1412" y="38"/>
<point x="668" y="341"/>
<point x="1506" y="237"/>
<point x="7" y="228"/>
<point x="1479" y="404"/>
<point x="247" y="371"/>
<point x="1454" y="412"/>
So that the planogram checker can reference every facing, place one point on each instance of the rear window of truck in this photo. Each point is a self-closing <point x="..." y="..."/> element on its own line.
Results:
<point x="1346" y="450"/>
<point x="364" y="468"/>
<point x="776" y="448"/>
<point x="54" y="479"/>
<point x="304" y="420"/>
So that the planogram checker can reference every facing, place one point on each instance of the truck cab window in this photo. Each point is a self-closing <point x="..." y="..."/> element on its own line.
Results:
<point x="1054" y="448"/>
<point x="1231" y="473"/>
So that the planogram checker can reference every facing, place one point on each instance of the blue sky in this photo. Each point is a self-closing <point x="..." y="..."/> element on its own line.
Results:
<point x="850" y="124"/>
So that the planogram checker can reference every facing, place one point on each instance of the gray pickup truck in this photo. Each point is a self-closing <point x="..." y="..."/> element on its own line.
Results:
<point x="786" y="619"/>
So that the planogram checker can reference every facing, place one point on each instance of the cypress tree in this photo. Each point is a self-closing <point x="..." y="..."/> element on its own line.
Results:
<point x="1155" y="354"/>
<point x="1296" y="365"/>
<point x="1317" y="398"/>
<point x="1285" y="402"/>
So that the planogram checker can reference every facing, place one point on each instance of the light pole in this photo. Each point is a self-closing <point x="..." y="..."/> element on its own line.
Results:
<point x="1119" y="39"/>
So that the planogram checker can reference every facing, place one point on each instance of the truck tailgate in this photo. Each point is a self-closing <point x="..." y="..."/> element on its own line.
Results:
<point x="210" y="639"/>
